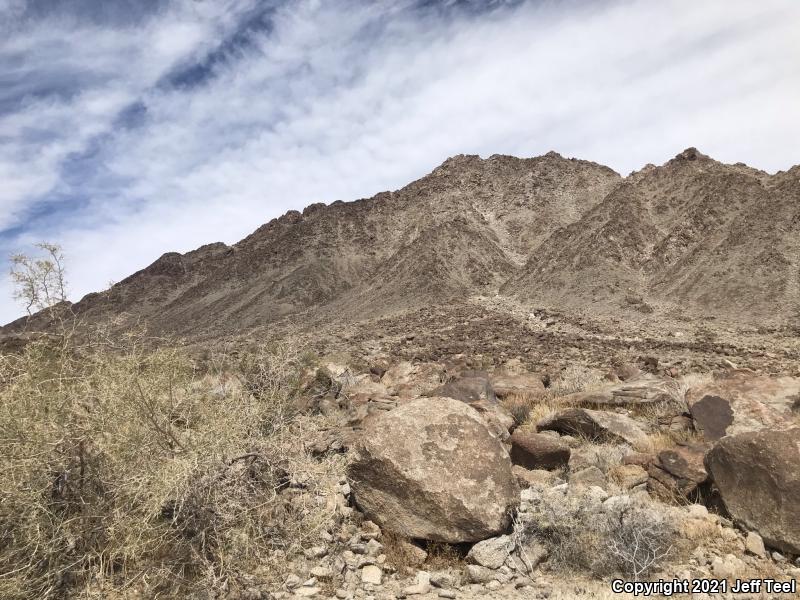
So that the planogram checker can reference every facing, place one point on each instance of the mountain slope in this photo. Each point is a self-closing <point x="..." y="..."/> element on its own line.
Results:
<point x="693" y="236"/>
<point x="463" y="229"/>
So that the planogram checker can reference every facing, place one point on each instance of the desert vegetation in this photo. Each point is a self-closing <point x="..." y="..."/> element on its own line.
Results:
<point x="130" y="466"/>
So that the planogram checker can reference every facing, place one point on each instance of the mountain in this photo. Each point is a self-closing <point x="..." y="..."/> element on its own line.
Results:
<point x="692" y="236"/>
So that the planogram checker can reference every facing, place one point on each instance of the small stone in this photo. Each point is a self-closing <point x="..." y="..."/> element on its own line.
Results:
<point x="306" y="592"/>
<point x="322" y="572"/>
<point x="755" y="545"/>
<point x="371" y="574"/>
<point x="373" y="548"/>
<point x="370" y="531"/>
<point x="292" y="581"/>
<point x="422" y="586"/>
<point x="342" y="594"/>
<point x="494" y="585"/>
<point x="442" y="579"/>
<point x="479" y="574"/>
<point x="492" y="553"/>
<point x="310" y="582"/>
<point x="728" y="567"/>
<point x="315" y="552"/>
<point x="447" y="594"/>
<point x="778" y="557"/>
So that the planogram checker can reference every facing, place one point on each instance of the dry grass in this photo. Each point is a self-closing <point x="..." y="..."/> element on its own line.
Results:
<point x="529" y="409"/>
<point x="444" y="556"/>
<point x="575" y="379"/>
<point x="126" y="470"/>
<point x="398" y="551"/>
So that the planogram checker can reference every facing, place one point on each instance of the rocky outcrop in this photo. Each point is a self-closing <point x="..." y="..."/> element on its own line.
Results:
<point x="594" y="424"/>
<point x="431" y="469"/>
<point x="757" y="475"/>
<point x="742" y="401"/>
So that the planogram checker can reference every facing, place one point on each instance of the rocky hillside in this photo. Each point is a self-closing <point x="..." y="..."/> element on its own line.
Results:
<point x="693" y="235"/>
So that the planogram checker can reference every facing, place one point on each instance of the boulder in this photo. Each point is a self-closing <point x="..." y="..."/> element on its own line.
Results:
<point x="538" y="451"/>
<point x="498" y="418"/>
<point x="431" y="469"/>
<point x="595" y="424"/>
<point x="678" y="470"/>
<point x="519" y="384"/>
<point x="411" y="380"/>
<point x="740" y="401"/>
<point x="757" y="475"/>
<point x="641" y="391"/>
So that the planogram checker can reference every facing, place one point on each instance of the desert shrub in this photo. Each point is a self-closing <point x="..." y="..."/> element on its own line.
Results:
<point x="123" y="467"/>
<point x="580" y="533"/>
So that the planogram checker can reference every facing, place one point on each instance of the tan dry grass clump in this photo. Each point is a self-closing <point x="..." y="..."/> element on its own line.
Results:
<point x="126" y="469"/>
<point x="528" y="409"/>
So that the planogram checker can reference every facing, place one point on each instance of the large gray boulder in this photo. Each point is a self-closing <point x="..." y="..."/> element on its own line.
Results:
<point x="431" y="469"/>
<point x="758" y="478"/>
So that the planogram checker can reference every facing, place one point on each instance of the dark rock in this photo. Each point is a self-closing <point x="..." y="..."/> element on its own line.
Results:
<point x="757" y="475"/>
<point x="538" y="451"/>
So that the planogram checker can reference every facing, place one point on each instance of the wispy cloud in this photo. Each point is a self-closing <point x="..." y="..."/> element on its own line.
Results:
<point x="153" y="126"/>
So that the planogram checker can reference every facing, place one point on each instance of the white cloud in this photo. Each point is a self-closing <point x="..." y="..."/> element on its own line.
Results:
<point x="340" y="100"/>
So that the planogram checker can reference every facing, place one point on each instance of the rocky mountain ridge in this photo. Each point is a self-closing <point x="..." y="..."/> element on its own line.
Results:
<point x="693" y="236"/>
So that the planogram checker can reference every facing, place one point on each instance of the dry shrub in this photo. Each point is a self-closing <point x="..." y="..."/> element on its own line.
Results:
<point x="124" y="469"/>
<point x="443" y="556"/>
<point x="399" y="552"/>
<point x="580" y="534"/>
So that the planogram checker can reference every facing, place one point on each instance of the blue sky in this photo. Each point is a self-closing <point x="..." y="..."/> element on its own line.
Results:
<point x="129" y="128"/>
